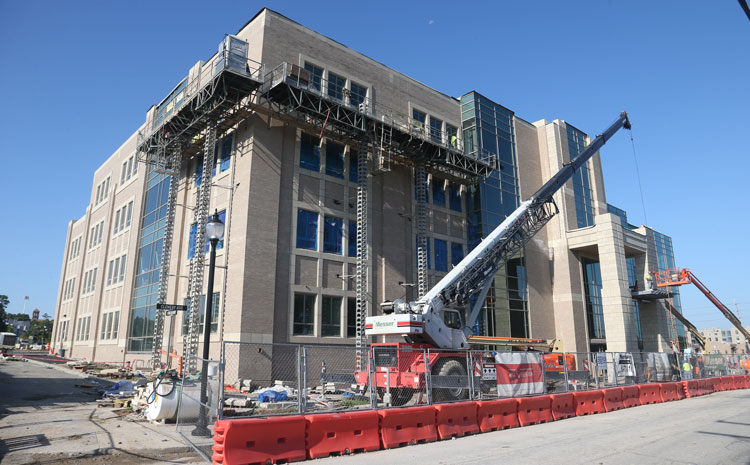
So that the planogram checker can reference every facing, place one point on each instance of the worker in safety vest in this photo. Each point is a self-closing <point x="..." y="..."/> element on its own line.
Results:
<point x="687" y="370"/>
<point x="454" y="141"/>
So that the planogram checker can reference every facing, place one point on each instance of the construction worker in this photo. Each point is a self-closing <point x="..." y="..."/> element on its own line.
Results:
<point x="687" y="370"/>
<point x="454" y="141"/>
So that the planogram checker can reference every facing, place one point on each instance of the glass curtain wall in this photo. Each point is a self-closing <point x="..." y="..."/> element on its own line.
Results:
<point x="488" y="129"/>
<point x="592" y="283"/>
<point x="583" y="194"/>
<point x="150" y="243"/>
<point x="632" y="280"/>
<point x="665" y="260"/>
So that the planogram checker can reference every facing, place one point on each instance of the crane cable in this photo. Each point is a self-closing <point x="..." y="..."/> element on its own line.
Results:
<point x="638" y="176"/>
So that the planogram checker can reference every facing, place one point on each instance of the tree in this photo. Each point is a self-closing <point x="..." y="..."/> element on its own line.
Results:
<point x="18" y="316"/>
<point x="39" y="331"/>
<point x="4" y="302"/>
<point x="45" y="316"/>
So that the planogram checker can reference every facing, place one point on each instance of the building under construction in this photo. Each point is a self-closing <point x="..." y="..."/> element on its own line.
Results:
<point x="342" y="183"/>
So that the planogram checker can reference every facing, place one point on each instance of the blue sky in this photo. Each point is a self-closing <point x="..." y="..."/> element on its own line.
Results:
<point x="79" y="76"/>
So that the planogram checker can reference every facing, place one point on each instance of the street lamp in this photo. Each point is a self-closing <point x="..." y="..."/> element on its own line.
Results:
<point x="214" y="232"/>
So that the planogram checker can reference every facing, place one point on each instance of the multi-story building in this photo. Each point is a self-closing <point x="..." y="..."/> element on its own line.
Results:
<point x="725" y="341"/>
<point x="289" y="199"/>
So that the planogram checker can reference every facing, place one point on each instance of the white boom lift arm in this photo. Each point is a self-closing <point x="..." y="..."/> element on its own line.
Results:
<point x="436" y="318"/>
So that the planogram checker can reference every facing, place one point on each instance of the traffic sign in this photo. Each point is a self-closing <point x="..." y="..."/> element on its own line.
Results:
<point x="172" y="307"/>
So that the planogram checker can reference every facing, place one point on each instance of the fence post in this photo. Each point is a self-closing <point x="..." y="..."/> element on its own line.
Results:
<point x="302" y="379"/>
<point x="470" y="373"/>
<point x="595" y="365"/>
<point x="222" y="368"/>
<point x="373" y="382"/>
<point x="427" y="375"/>
<point x="565" y="371"/>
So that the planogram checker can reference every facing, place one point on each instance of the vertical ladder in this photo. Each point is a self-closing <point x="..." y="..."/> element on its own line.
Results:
<point x="175" y="163"/>
<point x="420" y="178"/>
<point x="384" y="140"/>
<point x="361" y="273"/>
<point x="195" y="279"/>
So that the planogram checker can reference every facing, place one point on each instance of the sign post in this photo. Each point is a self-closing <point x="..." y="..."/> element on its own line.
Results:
<point x="170" y="310"/>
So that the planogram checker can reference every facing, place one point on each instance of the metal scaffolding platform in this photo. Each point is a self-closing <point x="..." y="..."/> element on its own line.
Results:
<point x="288" y="90"/>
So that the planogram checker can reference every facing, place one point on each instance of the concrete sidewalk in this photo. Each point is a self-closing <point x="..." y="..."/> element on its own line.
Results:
<point x="49" y="415"/>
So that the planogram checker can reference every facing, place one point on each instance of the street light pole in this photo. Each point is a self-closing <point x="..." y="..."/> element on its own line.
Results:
<point x="214" y="232"/>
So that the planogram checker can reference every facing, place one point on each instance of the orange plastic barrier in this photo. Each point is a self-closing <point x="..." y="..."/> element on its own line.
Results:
<point x="493" y="415"/>
<point x="259" y="440"/>
<point x="704" y="387"/>
<point x="456" y="420"/>
<point x="630" y="396"/>
<point x="747" y="381"/>
<point x="411" y="425"/>
<point x="715" y="384"/>
<point x="589" y="402"/>
<point x="612" y="399"/>
<point x="649" y="394"/>
<point x="563" y="406"/>
<point x="691" y="388"/>
<point x="534" y="410"/>
<point x="670" y="391"/>
<point x="342" y="433"/>
<point x="738" y="382"/>
<point x="726" y="383"/>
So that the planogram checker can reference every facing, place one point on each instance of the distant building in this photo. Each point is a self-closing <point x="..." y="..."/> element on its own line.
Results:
<point x="18" y="327"/>
<point x="720" y="341"/>
<point x="35" y="315"/>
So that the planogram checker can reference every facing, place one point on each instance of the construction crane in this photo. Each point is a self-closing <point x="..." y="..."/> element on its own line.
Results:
<point x="436" y="320"/>
<point x="680" y="276"/>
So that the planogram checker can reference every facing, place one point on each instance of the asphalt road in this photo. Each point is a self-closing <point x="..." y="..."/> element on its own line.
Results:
<point x="713" y="429"/>
<point x="41" y="356"/>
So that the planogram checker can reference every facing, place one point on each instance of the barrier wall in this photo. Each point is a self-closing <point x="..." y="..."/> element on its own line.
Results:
<point x="738" y="382"/>
<point x="404" y="426"/>
<point x="456" y="420"/>
<point x="563" y="405"/>
<point x="649" y="394"/>
<point x="534" y="410"/>
<point x="342" y="433"/>
<point x="259" y="440"/>
<point x="589" y="402"/>
<point x="612" y="399"/>
<point x="630" y="396"/>
<point x="671" y="391"/>
<point x="691" y="388"/>
<point x="493" y="415"/>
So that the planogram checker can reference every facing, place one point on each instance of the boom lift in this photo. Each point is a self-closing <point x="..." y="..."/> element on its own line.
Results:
<point x="436" y="320"/>
<point x="681" y="276"/>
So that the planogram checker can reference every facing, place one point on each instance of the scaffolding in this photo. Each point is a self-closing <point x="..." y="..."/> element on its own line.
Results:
<point x="219" y="94"/>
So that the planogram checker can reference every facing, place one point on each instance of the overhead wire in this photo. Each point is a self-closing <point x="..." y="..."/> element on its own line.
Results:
<point x="638" y="176"/>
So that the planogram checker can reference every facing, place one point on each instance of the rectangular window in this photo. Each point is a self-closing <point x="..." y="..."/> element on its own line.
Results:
<point x="191" y="239"/>
<point x="331" y="316"/>
<point x="129" y="214"/>
<point x="592" y="281"/>
<point x="316" y="76"/>
<point x="335" y="160"/>
<point x="351" y="317"/>
<point x="103" y="330"/>
<point x="93" y="280"/>
<point x="451" y="133"/>
<point x="304" y="313"/>
<point x="333" y="233"/>
<point x="122" y="269"/>
<point x="115" y="324"/>
<point x="109" y="273"/>
<point x="455" y="198"/>
<point x="457" y="253"/>
<point x="353" y="166"/>
<point x="441" y="255"/>
<point x="117" y="222"/>
<point x="436" y="129"/>
<point x="309" y="153"/>
<point x="358" y="94"/>
<point x="131" y="167"/>
<point x="123" y="173"/>
<point x="352" y="238"/>
<point x="307" y="230"/>
<point x="225" y="153"/>
<point x="438" y="192"/>
<point x="336" y="86"/>
<point x="419" y="120"/>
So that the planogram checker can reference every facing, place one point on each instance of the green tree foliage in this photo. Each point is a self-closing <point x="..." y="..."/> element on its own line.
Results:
<point x="39" y="331"/>
<point x="3" y="305"/>
<point x="18" y="317"/>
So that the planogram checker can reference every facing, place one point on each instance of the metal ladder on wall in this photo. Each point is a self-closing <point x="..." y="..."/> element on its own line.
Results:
<point x="361" y="270"/>
<point x="384" y="139"/>
<point x="420" y="179"/>
<point x="191" y="338"/>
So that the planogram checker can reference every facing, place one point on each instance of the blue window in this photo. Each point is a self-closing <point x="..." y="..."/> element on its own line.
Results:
<point x="358" y="95"/>
<point x="333" y="235"/>
<point x="457" y="253"/>
<point x="416" y="252"/>
<point x="309" y="153"/>
<point x="455" y="198"/>
<point x="336" y="86"/>
<point x="304" y="314"/>
<point x="307" y="230"/>
<point x="352" y="238"/>
<point x="194" y="232"/>
<point x="436" y="129"/>
<point x="441" y="255"/>
<point x="225" y="152"/>
<point x="198" y="170"/>
<point x="438" y="192"/>
<point x="335" y="160"/>
<point x="316" y="76"/>
<point x="191" y="240"/>
<point x="353" y="170"/>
